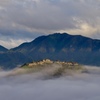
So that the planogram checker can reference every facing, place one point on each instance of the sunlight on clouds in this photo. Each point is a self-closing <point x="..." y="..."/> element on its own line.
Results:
<point x="84" y="29"/>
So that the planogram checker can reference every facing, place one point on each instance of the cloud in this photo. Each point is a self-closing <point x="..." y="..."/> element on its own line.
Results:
<point x="5" y="2"/>
<point x="13" y="42"/>
<point x="27" y="87"/>
<point x="49" y="16"/>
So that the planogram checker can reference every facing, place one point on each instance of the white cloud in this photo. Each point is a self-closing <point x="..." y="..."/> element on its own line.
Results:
<point x="28" y="87"/>
<point x="13" y="43"/>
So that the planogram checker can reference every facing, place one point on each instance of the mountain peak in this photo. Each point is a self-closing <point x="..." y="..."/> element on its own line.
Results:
<point x="58" y="41"/>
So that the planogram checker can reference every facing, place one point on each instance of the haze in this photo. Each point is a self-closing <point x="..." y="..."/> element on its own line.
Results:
<point x="34" y="87"/>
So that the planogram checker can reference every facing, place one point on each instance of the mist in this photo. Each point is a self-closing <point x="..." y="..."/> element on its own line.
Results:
<point x="85" y="86"/>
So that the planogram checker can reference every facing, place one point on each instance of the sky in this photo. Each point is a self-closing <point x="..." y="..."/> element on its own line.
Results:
<point x="24" y="20"/>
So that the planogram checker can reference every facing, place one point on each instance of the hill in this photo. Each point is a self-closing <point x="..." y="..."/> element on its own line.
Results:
<point x="50" y="68"/>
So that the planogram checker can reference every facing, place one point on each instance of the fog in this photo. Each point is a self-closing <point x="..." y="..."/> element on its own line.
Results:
<point x="85" y="86"/>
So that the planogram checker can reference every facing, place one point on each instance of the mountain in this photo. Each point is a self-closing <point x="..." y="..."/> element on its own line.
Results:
<point x="63" y="47"/>
<point x="3" y="49"/>
<point x="58" y="42"/>
<point x="9" y="60"/>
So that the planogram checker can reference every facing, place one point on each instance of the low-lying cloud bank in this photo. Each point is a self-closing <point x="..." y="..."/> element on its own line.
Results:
<point x="28" y="87"/>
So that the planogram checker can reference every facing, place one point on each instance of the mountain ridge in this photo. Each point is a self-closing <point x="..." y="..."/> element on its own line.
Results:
<point x="3" y="49"/>
<point x="60" y="41"/>
<point x="57" y="46"/>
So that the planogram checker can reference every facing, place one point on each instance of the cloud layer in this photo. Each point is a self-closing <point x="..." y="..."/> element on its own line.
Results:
<point x="23" y="19"/>
<point x="28" y="87"/>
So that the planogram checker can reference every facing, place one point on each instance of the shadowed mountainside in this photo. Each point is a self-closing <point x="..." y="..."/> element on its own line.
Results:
<point x="63" y="47"/>
<point x="3" y="49"/>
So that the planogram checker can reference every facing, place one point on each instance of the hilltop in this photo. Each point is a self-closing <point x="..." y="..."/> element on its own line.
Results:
<point x="50" y="68"/>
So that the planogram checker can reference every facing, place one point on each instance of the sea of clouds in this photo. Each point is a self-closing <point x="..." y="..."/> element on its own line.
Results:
<point x="84" y="86"/>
